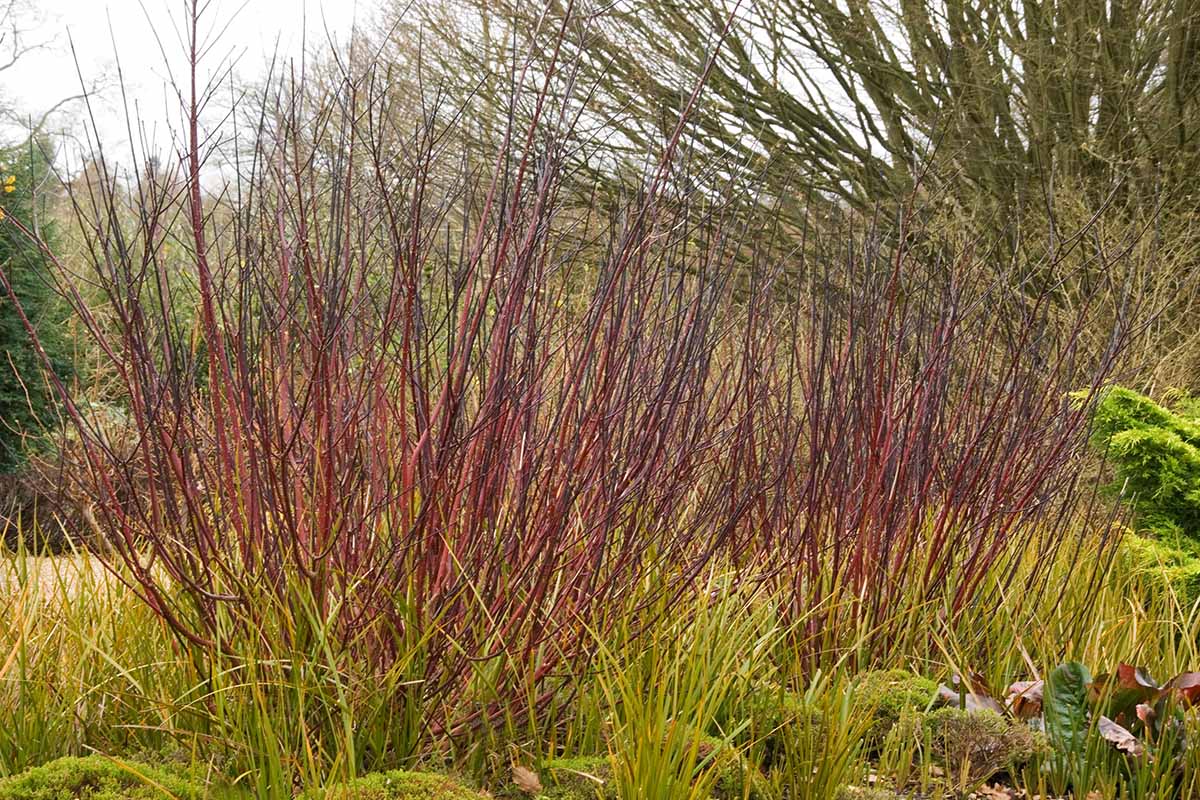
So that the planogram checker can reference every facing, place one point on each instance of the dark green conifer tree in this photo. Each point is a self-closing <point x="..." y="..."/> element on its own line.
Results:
<point x="27" y="401"/>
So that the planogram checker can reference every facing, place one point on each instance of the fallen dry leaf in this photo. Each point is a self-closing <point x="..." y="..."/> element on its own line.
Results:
<point x="526" y="780"/>
<point x="977" y="684"/>
<point x="1119" y="737"/>
<point x="971" y="702"/>
<point x="1025" y="698"/>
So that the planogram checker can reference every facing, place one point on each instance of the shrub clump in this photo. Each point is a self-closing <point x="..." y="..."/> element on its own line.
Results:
<point x="97" y="778"/>
<point x="885" y="694"/>
<point x="1156" y="453"/>
<point x="1162" y="567"/>
<point x="983" y="742"/>
<point x="400" y="785"/>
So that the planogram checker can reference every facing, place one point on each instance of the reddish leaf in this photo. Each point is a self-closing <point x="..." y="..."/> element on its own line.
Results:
<point x="1187" y="686"/>
<point x="1133" y="677"/>
<point x="1121" y="692"/>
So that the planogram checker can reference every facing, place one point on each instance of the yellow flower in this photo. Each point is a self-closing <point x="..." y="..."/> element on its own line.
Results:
<point x="10" y="183"/>
<point x="1" y="214"/>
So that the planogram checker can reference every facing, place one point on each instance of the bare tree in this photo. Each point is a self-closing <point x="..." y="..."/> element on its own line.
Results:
<point x="859" y="97"/>
<point x="18" y="32"/>
<point x="23" y="32"/>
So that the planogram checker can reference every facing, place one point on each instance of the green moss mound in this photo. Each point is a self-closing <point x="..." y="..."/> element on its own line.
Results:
<point x="884" y="695"/>
<point x="982" y="741"/>
<point x="864" y="793"/>
<point x="98" y="778"/>
<point x="584" y="778"/>
<point x="400" y="785"/>
<point x="774" y="713"/>
<point x="736" y="777"/>
<point x="589" y="777"/>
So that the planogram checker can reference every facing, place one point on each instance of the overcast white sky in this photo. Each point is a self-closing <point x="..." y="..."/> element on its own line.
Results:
<point x="108" y="31"/>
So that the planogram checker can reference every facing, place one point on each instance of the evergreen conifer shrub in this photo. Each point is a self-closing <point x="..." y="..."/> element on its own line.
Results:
<point x="1155" y="450"/>
<point x="26" y="401"/>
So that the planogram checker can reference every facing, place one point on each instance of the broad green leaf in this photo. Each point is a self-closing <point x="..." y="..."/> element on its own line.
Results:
<point x="1066" y="709"/>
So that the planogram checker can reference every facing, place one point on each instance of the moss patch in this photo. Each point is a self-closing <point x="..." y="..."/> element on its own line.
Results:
<point x="98" y="778"/>
<point x="578" y="779"/>
<point x="884" y="695"/>
<point x="589" y="777"/>
<point x="863" y="793"/>
<point x="776" y="713"/>
<point x="736" y="778"/>
<point x="982" y="742"/>
<point x="400" y="785"/>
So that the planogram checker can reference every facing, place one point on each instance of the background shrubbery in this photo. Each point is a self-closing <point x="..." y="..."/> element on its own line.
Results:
<point x="1156" y="452"/>
<point x="1153" y="451"/>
